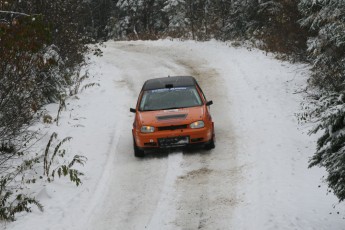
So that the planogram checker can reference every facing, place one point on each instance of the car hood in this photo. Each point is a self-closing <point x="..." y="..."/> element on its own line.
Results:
<point x="172" y="116"/>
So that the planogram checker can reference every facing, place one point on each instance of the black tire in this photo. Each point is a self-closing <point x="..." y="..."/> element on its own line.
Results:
<point x="210" y="145"/>
<point x="138" y="152"/>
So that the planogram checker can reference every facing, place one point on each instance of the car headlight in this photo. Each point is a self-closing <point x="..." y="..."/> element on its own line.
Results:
<point x="147" y="129"/>
<point x="197" y="125"/>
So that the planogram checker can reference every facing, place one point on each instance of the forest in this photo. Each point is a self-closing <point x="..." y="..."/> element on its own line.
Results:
<point x="43" y="45"/>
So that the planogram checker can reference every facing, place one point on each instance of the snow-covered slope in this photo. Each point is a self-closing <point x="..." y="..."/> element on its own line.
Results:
<point x="255" y="178"/>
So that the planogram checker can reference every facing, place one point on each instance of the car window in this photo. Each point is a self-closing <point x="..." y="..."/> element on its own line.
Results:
<point x="170" y="98"/>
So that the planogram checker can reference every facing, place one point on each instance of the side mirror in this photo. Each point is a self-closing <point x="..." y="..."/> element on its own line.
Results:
<point x="209" y="103"/>
<point x="132" y="110"/>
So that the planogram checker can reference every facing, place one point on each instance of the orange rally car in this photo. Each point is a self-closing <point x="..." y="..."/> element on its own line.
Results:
<point x="172" y="112"/>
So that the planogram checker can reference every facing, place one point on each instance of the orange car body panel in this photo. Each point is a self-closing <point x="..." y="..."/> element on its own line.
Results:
<point x="180" y="119"/>
<point x="193" y="114"/>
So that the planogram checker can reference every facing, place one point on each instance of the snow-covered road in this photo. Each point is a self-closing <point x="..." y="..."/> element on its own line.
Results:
<point x="183" y="189"/>
<point x="255" y="178"/>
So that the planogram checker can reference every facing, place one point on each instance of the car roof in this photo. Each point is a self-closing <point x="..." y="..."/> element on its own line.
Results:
<point x="169" y="82"/>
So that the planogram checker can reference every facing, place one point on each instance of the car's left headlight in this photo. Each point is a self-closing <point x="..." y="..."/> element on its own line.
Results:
<point x="197" y="125"/>
<point x="147" y="129"/>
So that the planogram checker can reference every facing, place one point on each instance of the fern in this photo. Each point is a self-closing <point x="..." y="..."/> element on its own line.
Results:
<point x="89" y="86"/>
<point x="46" y="153"/>
<point x="10" y="205"/>
<point x="64" y="169"/>
<point x="62" y="105"/>
<point x="55" y="152"/>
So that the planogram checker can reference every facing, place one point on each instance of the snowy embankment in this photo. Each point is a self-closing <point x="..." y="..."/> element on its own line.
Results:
<point x="255" y="178"/>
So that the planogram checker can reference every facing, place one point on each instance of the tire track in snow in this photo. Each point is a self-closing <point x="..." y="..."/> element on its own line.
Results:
<point x="207" y="191"/>
<point x="102" y="185"/>
<point x="164" y="216"/>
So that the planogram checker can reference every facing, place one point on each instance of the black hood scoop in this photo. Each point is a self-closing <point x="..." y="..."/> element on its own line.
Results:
<point x="174" y="116"/>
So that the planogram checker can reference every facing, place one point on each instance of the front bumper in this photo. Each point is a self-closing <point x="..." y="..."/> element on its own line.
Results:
<point x="173" y="138"/>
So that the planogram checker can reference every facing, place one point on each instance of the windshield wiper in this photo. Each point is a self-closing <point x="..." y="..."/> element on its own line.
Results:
<point x="147" y="110"/>
<point x="169" y="108"/>
<point x="173" y="108"/>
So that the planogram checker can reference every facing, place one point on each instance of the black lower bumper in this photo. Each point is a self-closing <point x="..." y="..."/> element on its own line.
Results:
<point x="184" y="146"/>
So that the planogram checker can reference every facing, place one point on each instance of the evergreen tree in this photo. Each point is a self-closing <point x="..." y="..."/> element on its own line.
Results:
<point x="326" y="46"/>
<point x="218" y="18"/>
<point x="281" y="30"/>
<point x="175" y="11"/>
<point x="326" y="22"/>
<point x="242" y="20"/>
<point x="137" y="19"/>
<point x="327" y="111"/>
<point x="96" y="15"/>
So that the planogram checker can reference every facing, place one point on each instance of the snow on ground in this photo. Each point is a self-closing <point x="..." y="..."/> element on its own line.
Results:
<point x="255" y="178"/>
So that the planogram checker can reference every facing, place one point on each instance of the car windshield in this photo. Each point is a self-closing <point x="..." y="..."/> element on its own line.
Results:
<point x="170" y="98"/>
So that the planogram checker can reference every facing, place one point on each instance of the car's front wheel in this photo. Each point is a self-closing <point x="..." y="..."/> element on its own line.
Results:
<point x="137" y="151"/>
<point x="210" y="145"/>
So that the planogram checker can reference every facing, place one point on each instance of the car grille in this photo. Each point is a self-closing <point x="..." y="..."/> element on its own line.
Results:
<point x="172" y="127"/>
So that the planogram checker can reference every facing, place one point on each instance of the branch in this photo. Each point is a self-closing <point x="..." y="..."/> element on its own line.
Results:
<point x="3" y="20"/>
<point x="12" y="12"/>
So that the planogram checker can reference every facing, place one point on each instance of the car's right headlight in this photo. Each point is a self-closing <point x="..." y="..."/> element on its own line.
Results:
<point x="147" y="129"/>
<point x="197" y="125"/>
